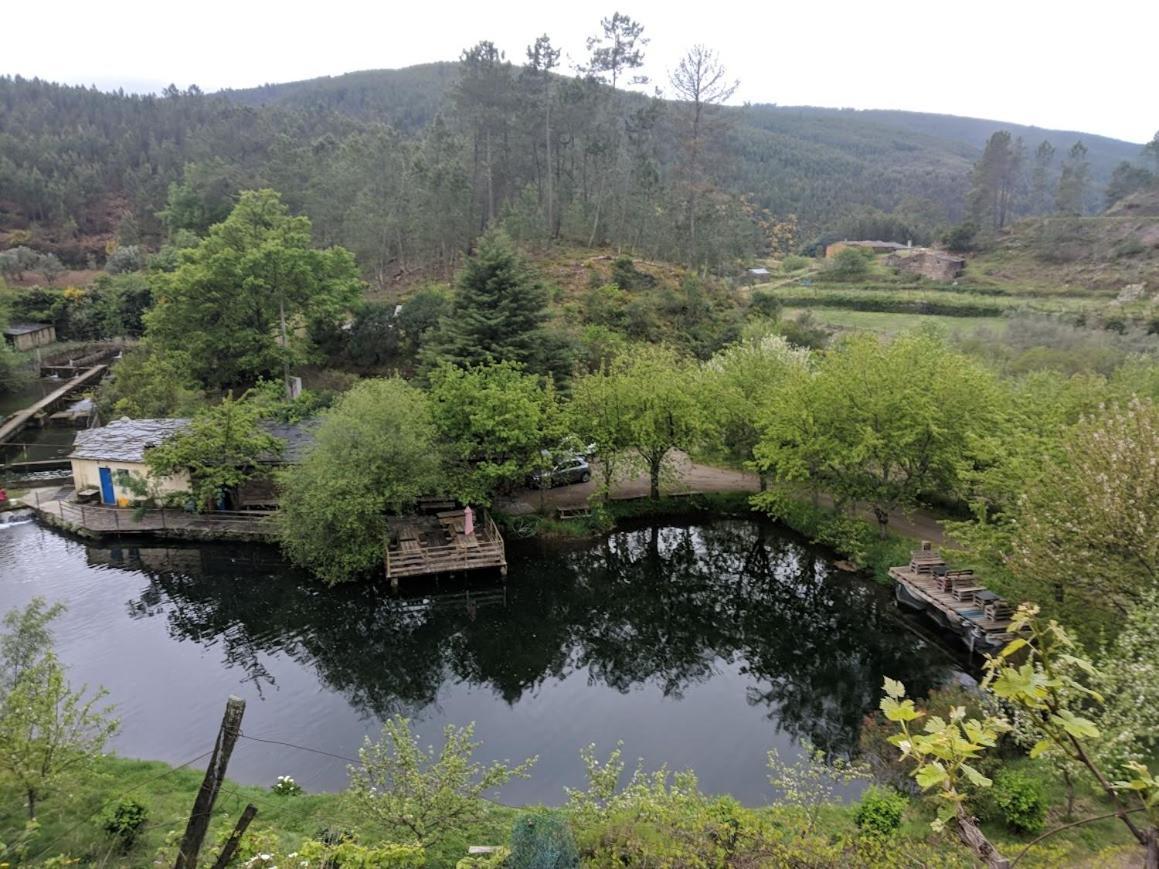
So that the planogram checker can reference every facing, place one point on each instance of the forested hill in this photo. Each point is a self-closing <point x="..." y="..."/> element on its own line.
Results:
<point x="406" y="166"/>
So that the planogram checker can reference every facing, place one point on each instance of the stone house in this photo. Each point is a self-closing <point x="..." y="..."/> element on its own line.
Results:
<point x="29" y="336"/>
<point x="932" y="264"/>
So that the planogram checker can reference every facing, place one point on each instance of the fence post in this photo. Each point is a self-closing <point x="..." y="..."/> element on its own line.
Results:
<point x="199" y="818"/>
<point x="83" y="518"/>
<point x="117" y="518"/>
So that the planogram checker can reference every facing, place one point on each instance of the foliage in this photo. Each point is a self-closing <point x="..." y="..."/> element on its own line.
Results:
<point x="849" y="264"/>
<point x="124" y="820"/>
<point x="497" y="310"/>
<point x="743" y="382"/>
<point x="495" y="421"/>
<point x="640" y="407"/>
<point x="285" y="786"/>
<point x="149" y="384"/>
<point x="1020" y="801"/>
<point x="1129" y="668"/>
<point x="879" y="811"/>
<point x="374" y="452"/>
<point x="794" y="263"/>
<point x="881" y="424"/>
<point x="223" y="304"/>
<point x="809" y="784"/>
<point x="656" y="819"/>
<point x="223" y="446"/>
<point x="47" y="730"/>
<point x="542" y="840"/>
<point x="1092" y="516"/>
<point x="129" y="258"/>
<point x="961" y="238"/>
<point x="401" y="784"/>
<point x="420" y="315"/>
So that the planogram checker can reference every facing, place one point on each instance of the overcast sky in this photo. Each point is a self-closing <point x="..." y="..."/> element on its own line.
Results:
<point x="1076" y="66"/>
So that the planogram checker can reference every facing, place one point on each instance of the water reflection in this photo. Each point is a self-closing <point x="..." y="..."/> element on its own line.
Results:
<point x="668" y="607"/>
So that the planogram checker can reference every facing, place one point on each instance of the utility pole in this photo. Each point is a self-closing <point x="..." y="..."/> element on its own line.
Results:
<point x="199" y="818"/>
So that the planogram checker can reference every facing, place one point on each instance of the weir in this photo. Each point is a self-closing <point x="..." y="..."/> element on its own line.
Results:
<point x="30" y="415"/>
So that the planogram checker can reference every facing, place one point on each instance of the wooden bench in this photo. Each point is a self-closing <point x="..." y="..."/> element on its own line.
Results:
<point x="573" y="512"/>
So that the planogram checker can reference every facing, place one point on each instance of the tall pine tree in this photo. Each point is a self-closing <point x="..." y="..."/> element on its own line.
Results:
<point x="498" y="310"/>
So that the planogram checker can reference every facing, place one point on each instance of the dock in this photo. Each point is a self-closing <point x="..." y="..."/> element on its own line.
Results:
<point x="423" y="545"/>
<point x="38" y="411"/>
<point x="955" y="599"/>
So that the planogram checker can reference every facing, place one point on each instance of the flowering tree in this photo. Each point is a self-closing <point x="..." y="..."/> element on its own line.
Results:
<point x="1092" y="517"/>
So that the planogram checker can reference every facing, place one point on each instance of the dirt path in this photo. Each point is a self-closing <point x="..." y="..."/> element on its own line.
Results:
<point x="695" y="477"/>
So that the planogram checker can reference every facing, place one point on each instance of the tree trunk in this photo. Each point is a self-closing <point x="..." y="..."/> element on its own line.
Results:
<point x="1151" y="860"/>
<point x="882" y="517"/>
<point x="977" y="842"/>
<point x="654" y="480"/>
<point x="31" y="804"/>
<point x="763" y="481"/>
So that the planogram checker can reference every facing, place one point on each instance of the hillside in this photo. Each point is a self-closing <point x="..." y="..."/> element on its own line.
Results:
<point x="404" y="167"/>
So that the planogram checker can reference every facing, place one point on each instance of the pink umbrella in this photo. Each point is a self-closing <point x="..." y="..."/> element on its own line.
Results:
<point x="468" y="522"/>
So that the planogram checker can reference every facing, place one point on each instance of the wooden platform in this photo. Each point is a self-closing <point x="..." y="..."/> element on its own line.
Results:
<point x="42" y="408"/>
<point x="432" y="544"/>
<point x="964" y="614"/>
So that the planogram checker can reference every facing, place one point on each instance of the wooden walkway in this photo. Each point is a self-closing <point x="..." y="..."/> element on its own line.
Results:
<point x="427" y="545"/>
<point x="57" y="507"/>
<point x="19" y="420"/>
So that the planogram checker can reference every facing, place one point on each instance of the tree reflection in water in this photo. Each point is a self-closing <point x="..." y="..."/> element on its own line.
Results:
<point x="665" y="606"/>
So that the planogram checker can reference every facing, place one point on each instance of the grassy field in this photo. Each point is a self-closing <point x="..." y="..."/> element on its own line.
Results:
<point x="891" y="324"/>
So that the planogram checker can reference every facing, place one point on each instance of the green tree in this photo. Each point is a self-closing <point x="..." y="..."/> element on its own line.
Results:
<point x="238" y="303"/>
<point x="618" y="50"/>
<point x="642" y="407"/>
<point x="149" y="383"/>
<point x="1040" y="178"/>
<point x="498" y="309"/>
<point x="1073" y="182"/>
<point x="882" y="424"/>
<point x="374" y="453"/>
<point x="223" y="447"/>
<point x="400" y="784"/>
<point x="850" y="264"/>
<point x="495" y="420"/>
<point x="47" y="730"/>
<point x="741" y="388"/>
<point x="1091" y="517"/>
<point x="1125" y="180"/>
<point x="994" y="180"/>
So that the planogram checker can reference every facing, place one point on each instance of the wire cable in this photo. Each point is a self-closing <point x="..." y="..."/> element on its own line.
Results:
<point x="299" y="747"/>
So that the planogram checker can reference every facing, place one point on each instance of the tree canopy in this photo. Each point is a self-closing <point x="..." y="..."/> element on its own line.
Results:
<point x="374" y="454"/>
<point x="239" y="302"/>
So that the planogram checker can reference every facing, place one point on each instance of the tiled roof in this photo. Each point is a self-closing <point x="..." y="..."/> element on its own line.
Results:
<point x="125" y="440"/>
<point x="26" y="328"/>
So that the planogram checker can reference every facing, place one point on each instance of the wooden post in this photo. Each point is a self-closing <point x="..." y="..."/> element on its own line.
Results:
<point x="198" y="824"/>
<point x="230" y="846"/>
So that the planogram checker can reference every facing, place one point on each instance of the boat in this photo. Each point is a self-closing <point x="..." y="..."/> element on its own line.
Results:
<point x="954" y="600"/>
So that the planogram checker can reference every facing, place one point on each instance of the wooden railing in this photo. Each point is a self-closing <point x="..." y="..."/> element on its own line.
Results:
<point x="119" y="520"/>
<point x="488" y="550"/>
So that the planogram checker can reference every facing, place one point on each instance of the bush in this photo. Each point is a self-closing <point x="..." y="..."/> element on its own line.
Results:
<point x="124" y="821"/>
<point x="961" y="238"/>
<point x="766" y="304"/>
<point x="880" y="810"/>
<point x="794" y="263"/>
<point x="1020" y="801"/>
<point x="849" y="265"/>
<point x="286" y="787"/>
<point x="542" y="840"/>
<point x="129" y="258"/>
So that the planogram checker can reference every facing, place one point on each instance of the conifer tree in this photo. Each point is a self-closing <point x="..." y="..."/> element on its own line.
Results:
<point x="498" y="309"/>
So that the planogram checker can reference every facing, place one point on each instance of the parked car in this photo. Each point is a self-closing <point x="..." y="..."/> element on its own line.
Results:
<point x="570" y="470"/>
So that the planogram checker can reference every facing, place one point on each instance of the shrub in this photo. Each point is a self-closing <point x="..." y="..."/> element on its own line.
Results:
<point x="286" y="787"/>
<point x="880" y="810"/>
<point x="542" y="840"/>
<point x="849" y="265"/>
<point x="124" y="821"/>
<point x="794" y="263"/>
<point x="766" y="304"/>
<point x="1020" y="801"/>
<point x="961" y="238"/>
<point x="626" y="276"/>
<point x="129" y="258"/>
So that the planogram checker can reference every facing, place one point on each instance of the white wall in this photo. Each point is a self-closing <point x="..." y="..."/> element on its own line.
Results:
<point x="86" y="475"/>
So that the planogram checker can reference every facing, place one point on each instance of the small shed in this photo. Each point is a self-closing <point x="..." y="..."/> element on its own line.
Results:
<point x="106" y="458"/>
<point x="29" y="336"/>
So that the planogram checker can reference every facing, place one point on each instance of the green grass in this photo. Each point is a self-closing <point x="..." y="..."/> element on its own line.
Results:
<point x="70" y="815"/>
<point x="891" y="323"/>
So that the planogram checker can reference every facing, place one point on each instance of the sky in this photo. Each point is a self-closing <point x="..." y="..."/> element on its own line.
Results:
<point x="1087" y="67"/>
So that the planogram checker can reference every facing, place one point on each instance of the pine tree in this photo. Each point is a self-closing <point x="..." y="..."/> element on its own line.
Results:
<point x="1072" y="184"/>
<point x="498" y="310"/>
<point x="995" y="179"/>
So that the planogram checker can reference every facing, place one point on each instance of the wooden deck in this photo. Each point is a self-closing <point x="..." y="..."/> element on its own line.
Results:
<point x="29" y="415"/>
<point x="432" y="544"/>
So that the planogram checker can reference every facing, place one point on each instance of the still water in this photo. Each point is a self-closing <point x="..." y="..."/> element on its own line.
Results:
<point x="699" y="646"/>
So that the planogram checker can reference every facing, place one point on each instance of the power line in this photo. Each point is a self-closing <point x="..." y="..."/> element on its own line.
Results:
<point x="300" y="748"/>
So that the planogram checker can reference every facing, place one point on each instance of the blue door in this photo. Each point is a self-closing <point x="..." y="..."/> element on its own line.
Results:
<point x="107" y="495"/>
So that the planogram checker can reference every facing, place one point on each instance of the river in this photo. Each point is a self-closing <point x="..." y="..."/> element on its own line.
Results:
<point x="699" y="646"/>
